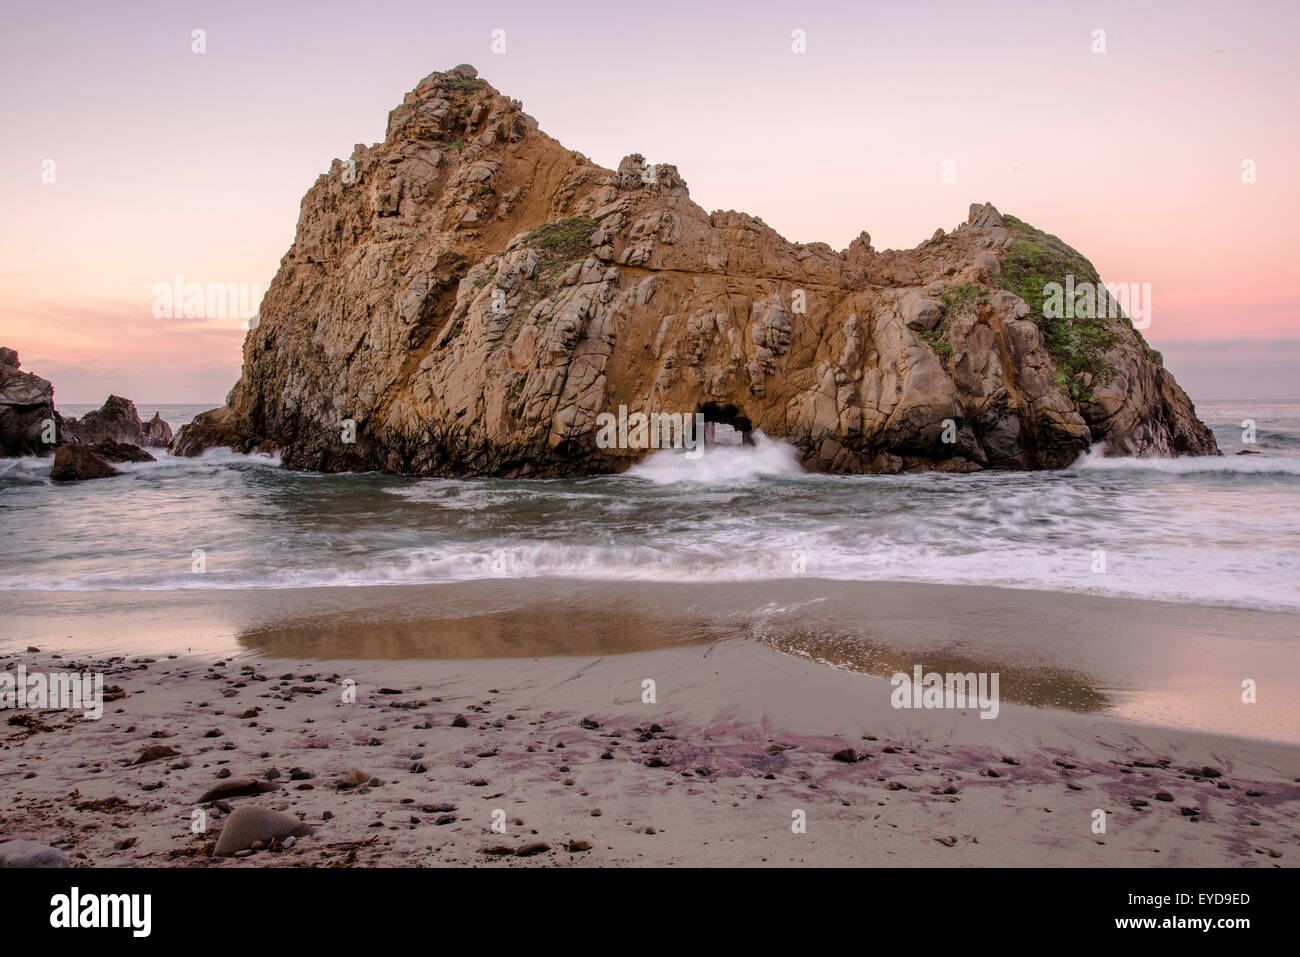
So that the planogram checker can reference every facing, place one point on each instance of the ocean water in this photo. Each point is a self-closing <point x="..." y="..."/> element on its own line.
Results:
<point x="1220" y="531"/>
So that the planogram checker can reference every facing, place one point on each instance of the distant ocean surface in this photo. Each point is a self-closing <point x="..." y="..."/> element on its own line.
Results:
<point x="1221" y="531"/>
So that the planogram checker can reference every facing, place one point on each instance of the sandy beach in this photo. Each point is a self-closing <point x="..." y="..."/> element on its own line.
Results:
<point x="746" y="730"/>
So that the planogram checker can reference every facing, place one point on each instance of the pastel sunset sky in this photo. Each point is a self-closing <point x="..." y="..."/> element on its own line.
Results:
<point x="169" y="162"/>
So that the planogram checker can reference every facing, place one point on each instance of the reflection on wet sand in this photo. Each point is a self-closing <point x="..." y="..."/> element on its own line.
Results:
<point x="1176" y="665"/>
<point x="534" y="631"/>
<point x="1040" y="686"/>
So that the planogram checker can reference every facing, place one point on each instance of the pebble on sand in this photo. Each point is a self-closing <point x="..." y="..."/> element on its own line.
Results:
<point x="155" y="752"/>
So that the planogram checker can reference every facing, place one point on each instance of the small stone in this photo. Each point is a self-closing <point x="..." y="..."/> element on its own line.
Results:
<point x="31" y="854"/>
<point x="155" y="752"/>
<point x="354" y="779"/>
<point x="250" y="825"/>
<point x="460" y="722"/>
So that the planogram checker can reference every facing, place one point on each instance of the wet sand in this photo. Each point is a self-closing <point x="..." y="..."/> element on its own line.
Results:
<point x="1178" y="665"/>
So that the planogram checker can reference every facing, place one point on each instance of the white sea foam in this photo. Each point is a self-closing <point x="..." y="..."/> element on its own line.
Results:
<point x="1261" y="464"/>
<point x="1212" y="530"/>
<point x="721" y="465"/>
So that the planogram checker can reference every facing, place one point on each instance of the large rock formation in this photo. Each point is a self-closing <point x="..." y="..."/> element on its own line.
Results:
<point x="468" y="296"/>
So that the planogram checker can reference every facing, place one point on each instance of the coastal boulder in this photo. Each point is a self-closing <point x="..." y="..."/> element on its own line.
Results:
<point x="73" y="463"/>
<point x="28" y="423"/>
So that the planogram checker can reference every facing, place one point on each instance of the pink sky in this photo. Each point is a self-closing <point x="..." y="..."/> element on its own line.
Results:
<point x="170" y="162"/>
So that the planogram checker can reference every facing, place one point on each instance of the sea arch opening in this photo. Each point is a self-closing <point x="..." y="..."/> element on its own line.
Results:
<point x="725" y="425"/>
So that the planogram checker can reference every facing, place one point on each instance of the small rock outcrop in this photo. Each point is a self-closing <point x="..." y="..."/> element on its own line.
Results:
<point x="28" y="423"/>
<point x="157" y="434"/>
<point x="467" y="297"/>
<point x="118" y="421"/>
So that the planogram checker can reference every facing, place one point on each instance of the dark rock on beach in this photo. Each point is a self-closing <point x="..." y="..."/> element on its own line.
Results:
<point x="235" y="787"/>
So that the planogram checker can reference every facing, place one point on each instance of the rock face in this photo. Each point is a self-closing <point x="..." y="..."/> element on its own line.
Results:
<point x="28" y="423"/>
<point x="468" y="296"/>
<point x="118" y="421"/>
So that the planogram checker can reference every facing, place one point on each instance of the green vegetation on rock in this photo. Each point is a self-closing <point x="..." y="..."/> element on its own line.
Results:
<point x="938" y="341"/>
<point x="563" y="241"/>
<point x="560" y="244"/>
<point x="1036" y="259"/>
<point x="959" y="298"/>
